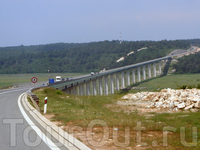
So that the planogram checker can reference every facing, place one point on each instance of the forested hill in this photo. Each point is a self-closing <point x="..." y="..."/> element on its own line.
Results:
<point x="83" y="57"/>
<point x="188" y="64"/>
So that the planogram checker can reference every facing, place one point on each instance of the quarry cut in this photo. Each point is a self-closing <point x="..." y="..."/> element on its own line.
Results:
<point x="170" y="99"/>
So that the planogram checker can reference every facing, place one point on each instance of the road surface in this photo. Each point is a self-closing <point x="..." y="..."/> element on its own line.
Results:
<point x="16" y="132"/>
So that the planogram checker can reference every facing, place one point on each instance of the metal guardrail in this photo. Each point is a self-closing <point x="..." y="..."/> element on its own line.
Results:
<point x="34" y="99"/>
<point x="69" y="84"/>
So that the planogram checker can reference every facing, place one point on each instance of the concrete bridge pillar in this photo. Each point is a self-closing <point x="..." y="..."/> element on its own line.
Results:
<point x="122" y="79"/>
<point x="154" y="68"/>
<point x="83" y="88"/>
<point x="100" y="86"/>
<point x="88" y="88"/>
<point x="144" y="72"/>
<point x="138" y="70"/>
<point x="80" y="88"/>
<point x="105" y="85"/>
<point x="111" y="84"/>
<point x="128" y="77"/>
<point x="94" y="87"/>
<point x="149" y="69"/>
<point x="69" y="90"/>
<point x="133" y="75"/>
<point x="74" y="90"/>
<point x="117" y="81"/>
<point x="159" y="67"/>
<point x="165" y="61"/>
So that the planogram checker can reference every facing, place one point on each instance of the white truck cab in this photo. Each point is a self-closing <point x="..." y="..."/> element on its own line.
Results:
<point x="58" y="78"/>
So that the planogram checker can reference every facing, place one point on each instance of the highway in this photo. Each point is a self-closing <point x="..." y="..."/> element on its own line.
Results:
<point x="16" y="130"/>
<point x="87" y="77"/>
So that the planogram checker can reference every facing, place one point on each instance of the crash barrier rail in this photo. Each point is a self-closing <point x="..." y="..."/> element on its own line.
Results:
<point x="34" y="99"/>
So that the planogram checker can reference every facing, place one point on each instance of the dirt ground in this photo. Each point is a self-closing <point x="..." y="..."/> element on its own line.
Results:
<point x="116" y="138"/>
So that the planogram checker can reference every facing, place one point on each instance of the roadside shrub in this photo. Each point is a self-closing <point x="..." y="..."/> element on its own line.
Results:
<point x="182" y="87"/>
<point x="189" y="86"/>
<point x="59" y="92"/>
<point x="46" y="91"/>
<point x="198" y="86"/>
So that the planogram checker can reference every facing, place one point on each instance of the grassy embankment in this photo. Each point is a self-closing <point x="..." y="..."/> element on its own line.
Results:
<point x="80" y="110"/>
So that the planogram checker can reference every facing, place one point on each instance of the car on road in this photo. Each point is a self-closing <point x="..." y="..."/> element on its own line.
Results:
<point x="92" y="73"/>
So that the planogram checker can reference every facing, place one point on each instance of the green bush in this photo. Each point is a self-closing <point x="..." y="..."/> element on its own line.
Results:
<point x="189" y="86"/>
<point x="46" y="91"/>
<point x="59" y="92"/>
<point x="182" y="87"/>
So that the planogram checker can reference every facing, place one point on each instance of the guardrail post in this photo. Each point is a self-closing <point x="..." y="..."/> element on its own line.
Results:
<point x="149" y="68"/>
<point x="94" y="87"/>
<point x="105" y="85"/>
<point x="122" y="79"/>
<point x="144" y="72"/>
<point x="159" y="67"/>
<point x="117" y="81"/>
<point x="138" y="70"/>
<point x="111" y="84"/>
<point x="154" y="68"/>
<point x="128" y="77"/>
<point x="100" y="86"/>
<point x="133" y="75"/>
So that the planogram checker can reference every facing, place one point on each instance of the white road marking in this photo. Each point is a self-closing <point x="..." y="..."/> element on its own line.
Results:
<point x="48" y="142"/>
<point x="13" y="91"/>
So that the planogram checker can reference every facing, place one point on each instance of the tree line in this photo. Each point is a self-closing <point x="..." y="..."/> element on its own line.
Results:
<point x="188" y="64"/>
<point x="82" y="57"/>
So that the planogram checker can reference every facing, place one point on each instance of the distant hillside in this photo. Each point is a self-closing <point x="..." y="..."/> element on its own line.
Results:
<point x="83" y="57"/>
<point x="188" y="64"/>
<point x="33" y="49"/>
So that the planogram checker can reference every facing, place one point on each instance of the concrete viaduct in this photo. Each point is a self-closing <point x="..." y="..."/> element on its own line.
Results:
<point x="106" y="82"/>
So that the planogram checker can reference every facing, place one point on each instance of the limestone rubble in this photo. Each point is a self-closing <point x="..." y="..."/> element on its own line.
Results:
<point x="183" y="99"/>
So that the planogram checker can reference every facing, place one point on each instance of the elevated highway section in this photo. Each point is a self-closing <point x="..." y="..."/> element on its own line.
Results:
<point x="106" y="82"/>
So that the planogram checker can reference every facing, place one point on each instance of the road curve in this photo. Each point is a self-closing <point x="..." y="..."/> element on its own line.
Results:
<point x="16" y="132"/>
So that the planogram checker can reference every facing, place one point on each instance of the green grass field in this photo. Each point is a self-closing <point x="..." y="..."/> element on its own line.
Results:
<point x="173" y="81"/>
<point x="11" y="79"/>
<point x="184" y="127"/>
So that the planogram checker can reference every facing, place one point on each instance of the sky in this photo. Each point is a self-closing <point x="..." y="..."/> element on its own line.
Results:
<point x="35" y="22"/>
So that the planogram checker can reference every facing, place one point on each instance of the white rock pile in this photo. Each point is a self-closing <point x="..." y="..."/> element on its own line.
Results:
<point x="169" y="99"/>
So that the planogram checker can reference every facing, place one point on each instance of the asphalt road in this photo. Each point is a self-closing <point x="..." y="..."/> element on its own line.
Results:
<point x="16" y="132"/>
